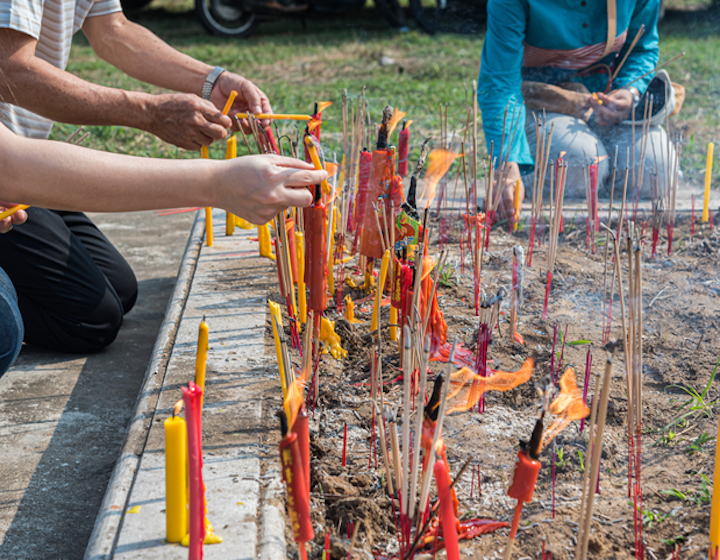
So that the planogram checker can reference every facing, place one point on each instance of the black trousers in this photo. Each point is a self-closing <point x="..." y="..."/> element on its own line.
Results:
<point x="73" y="285"/>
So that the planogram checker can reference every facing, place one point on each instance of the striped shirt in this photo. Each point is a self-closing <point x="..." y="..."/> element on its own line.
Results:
<point x="53" y="23"/>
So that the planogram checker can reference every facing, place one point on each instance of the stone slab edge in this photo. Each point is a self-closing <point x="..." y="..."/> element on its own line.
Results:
<point x="107" y="524"/>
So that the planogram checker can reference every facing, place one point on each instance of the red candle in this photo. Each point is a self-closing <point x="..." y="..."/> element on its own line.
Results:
<point x="447" y="511"/>
<point x="192" y="395"/>
<point x="403" y="141"/>
<point x="363" y="179"/>
<point x="298" y="497"/>
<point x="315" y="257"/>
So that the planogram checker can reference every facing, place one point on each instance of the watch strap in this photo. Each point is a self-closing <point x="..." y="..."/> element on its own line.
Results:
<point x="210" y="81"/>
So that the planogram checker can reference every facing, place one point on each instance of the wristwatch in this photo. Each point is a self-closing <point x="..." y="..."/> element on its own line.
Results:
<point x="210" y="81"/>
<point x="635" y="95"/>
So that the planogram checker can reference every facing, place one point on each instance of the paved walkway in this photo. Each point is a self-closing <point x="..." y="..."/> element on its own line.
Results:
<point x="229" y="286"/>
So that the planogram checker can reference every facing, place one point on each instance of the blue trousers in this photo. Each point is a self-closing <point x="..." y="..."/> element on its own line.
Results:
<point x="11" y="325"/>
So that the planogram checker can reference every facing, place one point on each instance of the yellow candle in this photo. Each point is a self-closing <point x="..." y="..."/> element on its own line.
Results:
<point x="230" y="153"/>
<point x="201" y="357"/>
<point x="379" y="291"/>
<point x="205" y="154"/>
<point x="393" y="323"/>
<point x="300" y="255"/>
<point x="263" y="116"/>
<point x="276" y="319"/>
<point x="176" y="498"/>
<point x="312" y="152"/>
<point x="715" y="511"/>
<point x="264" y="242"/>
<point x="708" y="180"/>
<point x="229" y="102"/>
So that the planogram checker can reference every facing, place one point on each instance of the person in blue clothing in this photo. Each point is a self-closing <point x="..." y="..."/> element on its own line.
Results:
<point x="74" y="179"/>
<point x="564" y="56"/>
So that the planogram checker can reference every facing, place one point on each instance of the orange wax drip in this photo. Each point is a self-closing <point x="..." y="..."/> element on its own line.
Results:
<point x="349" y="310"/>
<point x="331" y="340"/>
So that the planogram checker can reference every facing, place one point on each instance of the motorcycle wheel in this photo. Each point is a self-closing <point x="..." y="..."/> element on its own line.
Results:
<point x="224" y="18"/>
<point x="448" y="16"/>
<point x="393" y="11"/>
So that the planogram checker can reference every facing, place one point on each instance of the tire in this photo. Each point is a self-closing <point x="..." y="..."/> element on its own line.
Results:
<point x="448" y="16"/>
<point x="393" y="12"/>
<point x="223" y="18"/>
<point x="134" y="5"/>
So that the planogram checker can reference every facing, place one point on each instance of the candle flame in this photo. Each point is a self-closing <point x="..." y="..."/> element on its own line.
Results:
<point x="599" y="159"/>
<point x="392" y="125"/>
<point x="567" y="406"/>
<point x="322" y="105"/>
<point x="407" y="124"/>
<point x="466" y="386"/>
<point x="439" y="161"/>
<point x="178" y="407"/>
<point x="562" y="154"/>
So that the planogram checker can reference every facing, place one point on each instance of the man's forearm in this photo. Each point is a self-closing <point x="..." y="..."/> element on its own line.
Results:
<point x="143" y="55"/>
<point x="38" y="86"/>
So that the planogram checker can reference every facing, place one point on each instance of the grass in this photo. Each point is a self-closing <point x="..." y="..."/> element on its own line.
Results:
<point x="296" y="67"/>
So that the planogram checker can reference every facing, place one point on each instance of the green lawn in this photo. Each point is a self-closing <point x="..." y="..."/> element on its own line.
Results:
<point x="296" y="67"/>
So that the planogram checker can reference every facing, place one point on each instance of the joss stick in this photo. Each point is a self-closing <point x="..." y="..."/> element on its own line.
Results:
<point x="354" y="537"/>
<point x="632" y="46"/>
<point x="555" y="216"/>
<point x="391" y="417"/>
<point x="673" y="196"/>
<point x="654" y="70"/>
<point x="418" y="429"/>
<point x="596" y="453"/>
<point x="407" y="374"/>
<point x="438" y="267"/>
<point x="380" y="230"/>
<point x="588" y="371"/>
<point x="692" y="217"/>
<point x="344" y="444"/>
<point x="607" y="299"/>
<point x="433" y="511"/>
<point x="427" y="475"/>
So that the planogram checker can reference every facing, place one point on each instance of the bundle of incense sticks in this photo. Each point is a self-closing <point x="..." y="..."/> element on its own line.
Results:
<point x="632" y="329"/>
<point x="542" y="156"/>
<point x="638" y="167"/>
<point x="608" y="291"/>
<point x="555" y="208"/>
<point x="592" y="465"/>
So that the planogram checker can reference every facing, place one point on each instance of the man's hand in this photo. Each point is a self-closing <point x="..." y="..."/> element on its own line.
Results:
<point x="258" y="187"/>
<point x="250" y="98"/>
<point x="612" y="108"/>
<point x="19" y="217"/>
<point x="186" y="120"/>
<point x="506" y="208"/>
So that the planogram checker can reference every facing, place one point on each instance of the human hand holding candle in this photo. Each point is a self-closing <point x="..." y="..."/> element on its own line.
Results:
<point x="12" y="215"/>
<point x="249" y="98"/>
<point x="611" y="108"/>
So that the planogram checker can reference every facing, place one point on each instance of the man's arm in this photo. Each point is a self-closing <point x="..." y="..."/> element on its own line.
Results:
<point x="143" y="55"/>
<point x="30" y="82"/>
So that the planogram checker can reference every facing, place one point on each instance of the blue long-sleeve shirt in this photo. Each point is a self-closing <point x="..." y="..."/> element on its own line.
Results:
<point x="550" y="41"/>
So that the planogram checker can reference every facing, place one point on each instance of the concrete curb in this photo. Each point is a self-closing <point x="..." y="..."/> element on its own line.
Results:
<point x="109" y="519"/>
